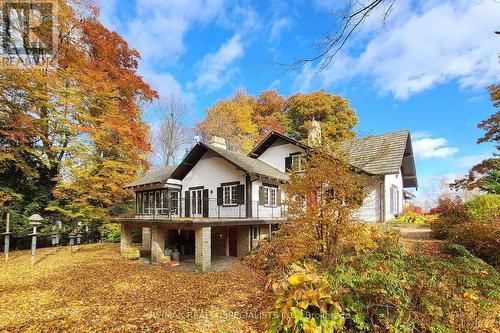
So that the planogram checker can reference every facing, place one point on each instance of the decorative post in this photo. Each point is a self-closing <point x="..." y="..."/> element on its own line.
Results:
<point x="71" y="240"/>
<point x="34" y="220"/>
<point x="53" y="238"/>
<point x="58" y="233"/>
<point x="7" y="234"/>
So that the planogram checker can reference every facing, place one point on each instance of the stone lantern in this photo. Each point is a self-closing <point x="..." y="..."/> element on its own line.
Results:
<point x="35" y="221"/>
<point x="7" y="234"/>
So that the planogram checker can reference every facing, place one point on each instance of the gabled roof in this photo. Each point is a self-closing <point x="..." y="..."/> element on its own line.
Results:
<point x="270" y="139"/>
<point x="383" y="154"/>
<point x="241" y="161"/>
<point x="154" y="177"/>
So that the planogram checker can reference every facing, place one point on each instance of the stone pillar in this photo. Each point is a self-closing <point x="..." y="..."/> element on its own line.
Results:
<point x="203" y="248"/>
<point x="157" y="243"/>
<point x="146" y="239"/>
<point x="125" y="237"/>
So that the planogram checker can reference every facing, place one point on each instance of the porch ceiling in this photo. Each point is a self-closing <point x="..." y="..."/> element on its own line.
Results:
<point x="187" y="223"/>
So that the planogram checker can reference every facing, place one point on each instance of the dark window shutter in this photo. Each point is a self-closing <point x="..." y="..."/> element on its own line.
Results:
<point x="240" y="194"/>
<point x="288" y="163"/>
<point x="187" y="206"/>
<point x="262" y="195"/>
<point x="219" y="196"/>
<point x="278" y="197"/>
<point x="205" y="203"/>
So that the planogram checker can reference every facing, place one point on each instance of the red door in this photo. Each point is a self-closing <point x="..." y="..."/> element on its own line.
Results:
<point x="233" y="242"/>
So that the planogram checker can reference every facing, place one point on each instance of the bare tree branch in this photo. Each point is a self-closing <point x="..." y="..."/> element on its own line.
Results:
<point x="351" y="20"/>
<point x="172" y="135"/>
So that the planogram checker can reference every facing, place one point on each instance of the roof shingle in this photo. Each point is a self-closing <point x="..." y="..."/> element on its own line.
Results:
<point x="380" y="154"/>
<point x="152" y="177"/>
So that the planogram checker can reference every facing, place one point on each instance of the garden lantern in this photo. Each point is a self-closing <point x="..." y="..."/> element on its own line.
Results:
<point x="7" y="234"/>
<point x="79" y="238"/>
<point x="71" y="240"/>
<point x="35" y="221"/>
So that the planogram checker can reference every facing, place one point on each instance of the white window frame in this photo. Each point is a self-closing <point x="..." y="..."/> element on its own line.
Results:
<point x="269" y="191"/>
<point x="232" y="194"/>
<point x="394" y="197"/>
<point x="296" y="162"/>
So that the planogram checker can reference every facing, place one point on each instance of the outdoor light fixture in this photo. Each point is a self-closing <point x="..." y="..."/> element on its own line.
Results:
<point x="7" y="234"/>
<point x="34" y="220"/>
<point x="79" y="238"/>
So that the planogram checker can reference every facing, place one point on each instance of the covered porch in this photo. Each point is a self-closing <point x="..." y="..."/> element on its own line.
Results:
<point x="198" y="241"/>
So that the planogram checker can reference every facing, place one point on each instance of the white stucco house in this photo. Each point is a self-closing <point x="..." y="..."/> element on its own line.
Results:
<point x="217" y="202"/>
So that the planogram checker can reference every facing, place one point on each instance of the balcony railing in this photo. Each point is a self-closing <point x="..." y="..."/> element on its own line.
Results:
<point x="208" y="208"/>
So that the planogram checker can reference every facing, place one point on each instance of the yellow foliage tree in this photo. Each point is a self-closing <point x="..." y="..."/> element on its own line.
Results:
<point x="231" y="119"/>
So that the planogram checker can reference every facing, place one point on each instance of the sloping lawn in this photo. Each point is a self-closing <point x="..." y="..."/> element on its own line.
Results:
<point x="94" y="289"/>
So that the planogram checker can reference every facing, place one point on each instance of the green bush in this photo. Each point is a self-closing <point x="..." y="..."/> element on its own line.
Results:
<point x="411" y="217"/>
<point x="475" y="225"/>
<point x="483" y="206"/>
<point x="386" y="291"/>
<point x="110" y="232"/>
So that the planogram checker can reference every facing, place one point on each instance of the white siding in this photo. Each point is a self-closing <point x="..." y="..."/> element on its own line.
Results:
<point x="392" y="180"/>
<point x="210" y="172"/>
<point x="371" y="208"/>
<point x="262" y="211"/>
<point x="275" y="155"/>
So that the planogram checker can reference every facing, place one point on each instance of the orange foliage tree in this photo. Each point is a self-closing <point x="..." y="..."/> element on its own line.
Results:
<point x="74" y="130"/>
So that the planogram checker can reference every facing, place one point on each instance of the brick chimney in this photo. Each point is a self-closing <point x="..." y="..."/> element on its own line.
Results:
<point x="218" y="142"/>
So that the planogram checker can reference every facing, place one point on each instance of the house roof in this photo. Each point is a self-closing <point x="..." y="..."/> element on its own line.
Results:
<point x="270" y="139"/>
<point x="383" y="154"/>
<point x="241" y="161"/>
<point x="158" y="176"/>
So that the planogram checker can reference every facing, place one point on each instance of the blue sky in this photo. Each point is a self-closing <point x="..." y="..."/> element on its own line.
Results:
<point x="427" y="71"/>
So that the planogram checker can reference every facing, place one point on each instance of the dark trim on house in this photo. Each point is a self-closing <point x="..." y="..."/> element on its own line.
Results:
<point x="197" y="188"/>
<point x="270" y="185"/>
<point x="230" y="183"/>
<point x="248" y="203"/>
<point x="270" y="139"/>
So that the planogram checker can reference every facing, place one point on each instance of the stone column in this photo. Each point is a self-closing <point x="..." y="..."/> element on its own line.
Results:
<point x="125" y="237"/>
<point x="157" y="243"/>
<point x="146" y="239"/>
<point x="203" y="248"/>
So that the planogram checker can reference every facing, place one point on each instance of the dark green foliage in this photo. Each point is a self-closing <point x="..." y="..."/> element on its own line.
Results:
<point x="387" y="291"/>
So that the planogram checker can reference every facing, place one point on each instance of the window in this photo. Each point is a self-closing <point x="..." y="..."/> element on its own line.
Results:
<point x="394" y="197"/>
<point x="269" y="196"/>
<point x="174" y="202"/>
<point x="296" y="162"/>
<point x="255" y="232"/>
<point x="229" y="195"/>
<point x="196" y="202"/>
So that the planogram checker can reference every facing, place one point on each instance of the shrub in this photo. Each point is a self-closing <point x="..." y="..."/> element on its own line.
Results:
<point x="475" y="225"/>
<point x="110" y="232"/>
<point x="451" y="212"/>
<point x="483" y="206"/>
<point x="384" y="290"/>
<point x="412" y="217"/>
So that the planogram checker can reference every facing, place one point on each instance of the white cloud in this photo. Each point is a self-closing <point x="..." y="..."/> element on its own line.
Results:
<point x="471" y="160"/>
<point x="428" y="147"/>
<point x="425" y="45"/>
<point x="277" y="28"/>
<point x="214" y="70"/>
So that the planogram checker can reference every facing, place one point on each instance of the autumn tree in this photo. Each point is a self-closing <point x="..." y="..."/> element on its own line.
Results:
<point x="269" y="113"/>
<point x="172" y="135"/>
<point x="475" y="178"/>
<point x="231" y="119"/>
<point x="321" y="208"/>
<point x="72" y="134"/>
<point x="333" y="112"/>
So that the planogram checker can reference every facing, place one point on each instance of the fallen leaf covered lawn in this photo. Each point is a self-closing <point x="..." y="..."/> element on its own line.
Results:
<point x="94" y="289"/>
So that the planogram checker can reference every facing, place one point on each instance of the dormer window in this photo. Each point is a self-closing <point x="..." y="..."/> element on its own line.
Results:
<point x="296" y="162"/>
<point x="293" y="162"/>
